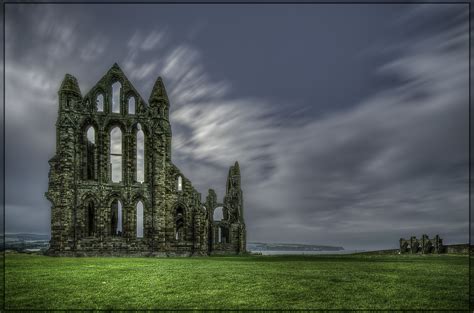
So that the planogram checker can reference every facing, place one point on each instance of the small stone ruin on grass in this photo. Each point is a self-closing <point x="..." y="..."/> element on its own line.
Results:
<point x="425" y="245"/>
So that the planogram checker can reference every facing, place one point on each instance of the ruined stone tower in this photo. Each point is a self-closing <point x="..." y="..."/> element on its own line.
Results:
<point x="113" y="187"/>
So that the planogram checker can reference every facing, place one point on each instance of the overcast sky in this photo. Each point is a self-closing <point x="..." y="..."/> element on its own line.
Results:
<point x="350" y="122"/>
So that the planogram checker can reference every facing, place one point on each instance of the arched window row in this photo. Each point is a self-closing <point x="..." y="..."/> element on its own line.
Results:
<point x="135" y="125"/>
<point x="115" y="220"/>
<point x="116" y="100"/>
<point x="115" y="155"/>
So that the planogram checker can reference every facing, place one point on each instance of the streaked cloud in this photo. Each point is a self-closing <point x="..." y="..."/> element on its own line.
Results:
<point x="188" y="79"/>
<point x="94" y="48"/>
<point x="400" y="155"/>
<point x="138" y="46"/>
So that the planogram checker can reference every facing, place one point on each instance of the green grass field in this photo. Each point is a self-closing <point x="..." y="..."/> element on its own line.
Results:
<point x="254" y="282"/>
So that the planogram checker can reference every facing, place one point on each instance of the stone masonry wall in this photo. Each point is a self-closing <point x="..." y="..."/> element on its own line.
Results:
<point x="92" y="214"/>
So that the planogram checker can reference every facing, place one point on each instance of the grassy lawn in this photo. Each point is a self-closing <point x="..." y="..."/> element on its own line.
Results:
<point x="254" y="282"/>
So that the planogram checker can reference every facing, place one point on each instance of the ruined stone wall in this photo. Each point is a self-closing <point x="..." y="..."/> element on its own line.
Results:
<point x="457" y="249"/>
<point x="424" y="245"/>
<point x="228" y="235"/>
<point x="86" y="201"/>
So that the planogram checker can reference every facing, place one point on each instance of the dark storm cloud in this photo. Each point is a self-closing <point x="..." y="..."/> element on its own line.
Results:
<point x="339" y="141"/>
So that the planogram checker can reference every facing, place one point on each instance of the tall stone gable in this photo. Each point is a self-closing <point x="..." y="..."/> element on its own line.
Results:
<point x="106" y="199"/>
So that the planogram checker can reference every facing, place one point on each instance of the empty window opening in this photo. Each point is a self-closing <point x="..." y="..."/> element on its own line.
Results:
<point x="116" y="154"/>
<point x="139" y="219"/>
<point x="116" y="97"/>
<point x="131" y="105"/>
<point x="90" y="154"/>
<point x="179" y="234"/>
<point x="116" y="218"/>
<point x="180" y="183"/>
<point x="140" y="155"/>
<point x="218" y="214"/>
<point x="219" y="235"/>
<point x="224" y="234"/>
<point x="91" y="135"/>
<point x="100" y="103"/>
<point x="90" y="219"/>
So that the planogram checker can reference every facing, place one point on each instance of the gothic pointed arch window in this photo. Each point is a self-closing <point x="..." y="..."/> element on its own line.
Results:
<point x="218" y="214"/>
<point x="91" y="134"/>
<point x="131" y="105"/>
<point x="179" y="224"/>
<point x="90" y="154"/>
<point x="99" y="102"/>
<point x="116" y="155"/>
<point x="224" y="234"/>
<point x="140" y="173"/>
<point x="139" y="208"/>
<point x="116" y="218"/>
<point x="90" y="218"/>
<point x="116" y="90"/>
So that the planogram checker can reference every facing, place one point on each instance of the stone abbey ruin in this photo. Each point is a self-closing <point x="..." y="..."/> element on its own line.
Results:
<point x="425" y="245"/>
<point x="113" y="187"/>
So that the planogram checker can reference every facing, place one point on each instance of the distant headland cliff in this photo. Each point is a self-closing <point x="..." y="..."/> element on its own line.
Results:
<point x="261" y="246"/>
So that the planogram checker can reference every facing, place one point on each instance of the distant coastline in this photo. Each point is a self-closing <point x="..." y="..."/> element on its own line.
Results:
<point x="262" y="246"/>
<point x="25" y="241"/>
